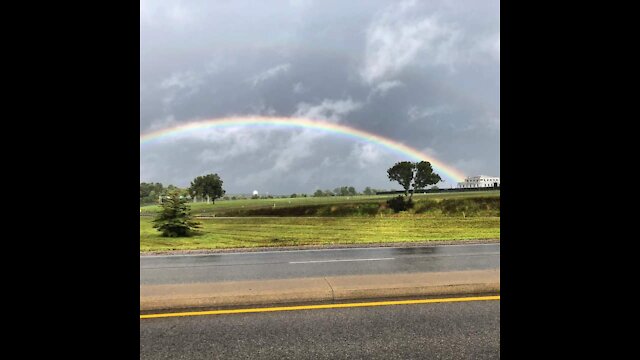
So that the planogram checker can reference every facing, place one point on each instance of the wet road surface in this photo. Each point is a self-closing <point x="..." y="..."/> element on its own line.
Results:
<point x="180" y="269"/>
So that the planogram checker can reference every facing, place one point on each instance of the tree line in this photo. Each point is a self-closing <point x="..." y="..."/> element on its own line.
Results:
<point x="204" y="188"/>
<point x="210" y="187"/>
<point x="411" y="176"/>
<point x="345" y="191"/>
<point x="175" y="218"/>
<point x="152" y="192"/>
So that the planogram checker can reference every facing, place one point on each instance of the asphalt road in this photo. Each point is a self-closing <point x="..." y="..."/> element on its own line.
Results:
<point x="467" y="330"/>
<point x="180" y="269"/>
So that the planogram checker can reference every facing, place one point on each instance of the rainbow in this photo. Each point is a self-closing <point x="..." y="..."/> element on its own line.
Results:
<point x="350" y="132"/>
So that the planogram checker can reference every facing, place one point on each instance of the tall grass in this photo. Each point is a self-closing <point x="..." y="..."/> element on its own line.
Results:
<point x="487" y="204"/>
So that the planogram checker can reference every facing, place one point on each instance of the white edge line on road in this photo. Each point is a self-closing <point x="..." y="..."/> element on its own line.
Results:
<point x="301" y="262"/>
<point x="327" y="261"/>
<point x="301" y="250"/>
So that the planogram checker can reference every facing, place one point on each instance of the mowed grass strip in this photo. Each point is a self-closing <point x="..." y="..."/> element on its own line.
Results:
<point x="293" y="231"/>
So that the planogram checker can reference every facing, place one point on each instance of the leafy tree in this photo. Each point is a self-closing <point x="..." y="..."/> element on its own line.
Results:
<point x="403" y="173"/>
<point x="182" y="192"/>
<point x="209" y="186"/>
<point x="293" y="195"/>
<point x="409" y="174"/>
<point x="149" y="192"/>
<point x="345" y="191"/>
<point x="174" y="220"/>
<point x="320" y="193"/>
<point x="424" y="176"/>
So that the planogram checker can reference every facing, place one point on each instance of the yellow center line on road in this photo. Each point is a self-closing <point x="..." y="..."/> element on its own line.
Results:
<point x="315" y="307"/>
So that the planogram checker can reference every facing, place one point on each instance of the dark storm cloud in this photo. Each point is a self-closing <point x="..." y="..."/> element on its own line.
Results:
<point x="422" y="73"/>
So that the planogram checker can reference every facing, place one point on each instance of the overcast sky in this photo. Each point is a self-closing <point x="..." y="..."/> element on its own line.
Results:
<point x="424" y="73"/>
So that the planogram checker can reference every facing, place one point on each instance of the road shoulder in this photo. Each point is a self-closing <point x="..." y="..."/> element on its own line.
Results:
<point x="319" y="289"/>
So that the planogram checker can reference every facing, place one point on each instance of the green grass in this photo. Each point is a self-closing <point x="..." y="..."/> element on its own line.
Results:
<point x="292" y="231"/>
<point x="332" y="220"/>
<point x="341" y="205"/>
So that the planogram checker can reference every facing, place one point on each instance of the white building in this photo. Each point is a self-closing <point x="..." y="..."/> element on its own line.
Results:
<point x="480" y="181"/>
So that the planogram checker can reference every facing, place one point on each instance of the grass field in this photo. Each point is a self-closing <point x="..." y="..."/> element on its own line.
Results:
<point x="253" y="207"/>
<point x="291" y="231"/>
<point x="332" y="220"/>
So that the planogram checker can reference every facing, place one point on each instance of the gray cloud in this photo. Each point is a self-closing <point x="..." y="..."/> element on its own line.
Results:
<point x="299" y="88"/>
<point x="332" y="110"/>
<point x="270" y="73"/>
<point x="426" y="74"/>
<point x="416" y="113"/>
<point x="397" y="36"/>
<point x="382" y="88"/>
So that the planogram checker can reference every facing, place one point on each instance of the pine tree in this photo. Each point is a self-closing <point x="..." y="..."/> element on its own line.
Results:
<point x="174" y="220"/>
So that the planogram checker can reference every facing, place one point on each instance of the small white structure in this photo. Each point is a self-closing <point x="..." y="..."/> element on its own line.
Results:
<point x="255" y="192"/>
<point x="480" y="181"/>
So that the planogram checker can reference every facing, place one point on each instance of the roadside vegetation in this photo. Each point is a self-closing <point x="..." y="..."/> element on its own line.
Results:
<point x="174" y="219"/>
<point x="295" y="231"/>
<point x="341" y="216"/>
<point x="473" y="203"/>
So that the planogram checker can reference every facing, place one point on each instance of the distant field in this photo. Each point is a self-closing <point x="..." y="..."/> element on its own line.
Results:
<point x="332" y="220"/>
<point x="253" y="207"/>
<point x="292" y="231"/>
